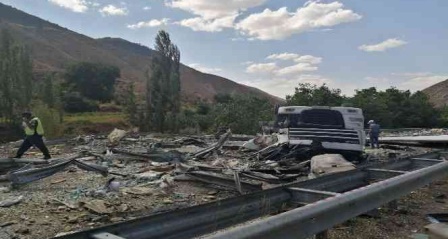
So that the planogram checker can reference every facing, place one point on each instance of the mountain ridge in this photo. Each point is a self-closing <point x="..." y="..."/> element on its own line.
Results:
<point x="54" y="47"/>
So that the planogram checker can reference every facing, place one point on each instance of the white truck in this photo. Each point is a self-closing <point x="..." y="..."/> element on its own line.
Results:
<point x="336" y="129"/>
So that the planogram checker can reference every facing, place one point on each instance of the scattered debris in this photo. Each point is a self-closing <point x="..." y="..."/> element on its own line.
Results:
<point x="261" y="142"/>
<point x="98" y="206"/>
<point x="205" y="152"/>
<point x="139" y="190"/>
<point x="11" y="201"/>
<point x="58" y="181"/>
<point x="113" y="185"/>
<point x="5" y="190"/>
<point x="68" y="205"/>
<point x="149" y="173"/>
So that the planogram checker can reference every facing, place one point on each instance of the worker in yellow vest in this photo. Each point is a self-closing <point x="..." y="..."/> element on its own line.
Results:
<point x="34" y="132"/>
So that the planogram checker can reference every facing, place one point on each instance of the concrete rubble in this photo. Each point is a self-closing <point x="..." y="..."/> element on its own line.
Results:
<point x="96" y="180"/>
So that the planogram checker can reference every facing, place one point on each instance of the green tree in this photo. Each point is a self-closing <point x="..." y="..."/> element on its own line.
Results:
<point x="443" y="119"/>
<point x="394" y="108"/>
<point x="373" y="105"/>
<point x="242" y="113"/>
<point x="48" y="91"/>
<point x="16" y="80"/>
<point x="163" y="86"/>
<point x="93" y="80"/>
<point x="130" y="107"/>
<point x="313" y="95"/>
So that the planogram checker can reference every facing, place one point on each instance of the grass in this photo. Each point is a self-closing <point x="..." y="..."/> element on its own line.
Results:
<point x="93" y="123"/>
<point x="95" y="117"/>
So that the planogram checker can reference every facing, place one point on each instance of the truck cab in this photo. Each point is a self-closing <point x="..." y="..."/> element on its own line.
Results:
<point x="336" y="129"/>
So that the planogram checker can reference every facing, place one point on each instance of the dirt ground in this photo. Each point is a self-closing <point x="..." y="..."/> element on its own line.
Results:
<point x="57" y="204"/>
<point x="408" y="219"/>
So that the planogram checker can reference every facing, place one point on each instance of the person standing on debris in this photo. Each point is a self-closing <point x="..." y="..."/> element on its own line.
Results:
<point x="374" y="133"/>
<point x="34" y="132"/>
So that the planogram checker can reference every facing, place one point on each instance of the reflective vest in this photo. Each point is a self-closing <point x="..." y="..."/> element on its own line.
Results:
<point x="39" y="128"/>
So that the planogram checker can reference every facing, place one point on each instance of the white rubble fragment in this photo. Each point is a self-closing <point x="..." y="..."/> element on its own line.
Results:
<point x="328" y="164"/>
<point x="116" y="135"/>
<point x="189" y="149"/>
<point x="149" y="175"/>
<point x="261" y="141"/>
<point x="11" y="201"/>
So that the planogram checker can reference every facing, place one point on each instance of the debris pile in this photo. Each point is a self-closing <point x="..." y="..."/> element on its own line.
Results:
<point x="96" y="180"/>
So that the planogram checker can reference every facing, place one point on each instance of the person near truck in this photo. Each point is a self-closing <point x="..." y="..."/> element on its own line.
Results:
<point x="34" y="131"/>
<point x="374" y="133"/>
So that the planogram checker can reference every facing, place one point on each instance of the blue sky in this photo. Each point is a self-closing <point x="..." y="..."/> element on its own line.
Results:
<point x="276" y="44"/>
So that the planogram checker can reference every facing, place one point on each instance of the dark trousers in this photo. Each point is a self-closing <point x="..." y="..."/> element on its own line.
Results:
<point x="31" y="140"/>
<point x="374" y="141"/>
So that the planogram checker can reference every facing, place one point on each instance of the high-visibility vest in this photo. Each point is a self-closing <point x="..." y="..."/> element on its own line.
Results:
<point x="39" y="128"/>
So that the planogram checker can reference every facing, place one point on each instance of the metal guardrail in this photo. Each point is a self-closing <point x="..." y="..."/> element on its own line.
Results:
<point x="311" y="219"/>
<point x="346" y="195"/>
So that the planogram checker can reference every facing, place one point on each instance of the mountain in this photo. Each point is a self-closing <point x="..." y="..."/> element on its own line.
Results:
<point x="438" y="94"/>
<point x="54" y="47"/>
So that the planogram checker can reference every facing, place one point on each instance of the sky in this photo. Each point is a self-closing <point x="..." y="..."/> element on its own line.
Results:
<point x="276" y="44"/>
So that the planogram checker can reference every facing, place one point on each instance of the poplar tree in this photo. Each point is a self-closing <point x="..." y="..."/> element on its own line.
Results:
<point x="163" y="85"/>
<point x="15" y="77"/>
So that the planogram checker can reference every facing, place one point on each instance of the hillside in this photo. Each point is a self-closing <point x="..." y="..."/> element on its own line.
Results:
<point x="54" y="47"/>
<point x="438" y="93"/>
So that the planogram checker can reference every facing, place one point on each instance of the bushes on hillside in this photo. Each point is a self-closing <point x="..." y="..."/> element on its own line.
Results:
<point x="74" y="103"/>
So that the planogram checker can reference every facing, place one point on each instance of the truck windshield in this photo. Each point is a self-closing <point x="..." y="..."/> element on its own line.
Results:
<point x="313" y="118"/>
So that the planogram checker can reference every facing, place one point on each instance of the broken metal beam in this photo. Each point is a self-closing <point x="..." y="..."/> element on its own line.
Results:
<point x="203" y="153"/>
<point x="305" y="196"/>
<point x="106" y="235"/>
<point x="30" y="175"/>
<point x="422" y="162"/>
<point x="381" y="174"/>
<point x="221" y="180"/>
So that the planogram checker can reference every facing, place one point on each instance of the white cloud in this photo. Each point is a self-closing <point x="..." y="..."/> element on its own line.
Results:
<point x="296" y="69"/>
<point x="314" y="80"/>
<point x="383" y="46"/>
<point x="422" y="82"/>
<point x="302" y="64"/>
<point x="151" y="23"/>
<point x="412" y="81"/>
<point x="283" y="56"/>
<point x="281" y="86"/>
<point x="73" y="5"/>
<point x="205" y="69"/>
<point x="201" y="24"/>
<point x="262" y="68"/>
<point x="280" y="24"/>
<point x="213" y="9"/>
<point x="146" y="8"/>
<point x="412" y="74"/>
<point x="374" y="81"/>
<point x="212" y="15"/>
<point x="295" y="57"/>
<point x="309" y="59"/>
<point x="111" y="10"/>
<point x="238" y="39"/>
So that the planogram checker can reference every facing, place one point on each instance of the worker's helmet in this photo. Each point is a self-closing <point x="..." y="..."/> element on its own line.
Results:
<point x="26" y="114"/>
<point x="371" y="122"/>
